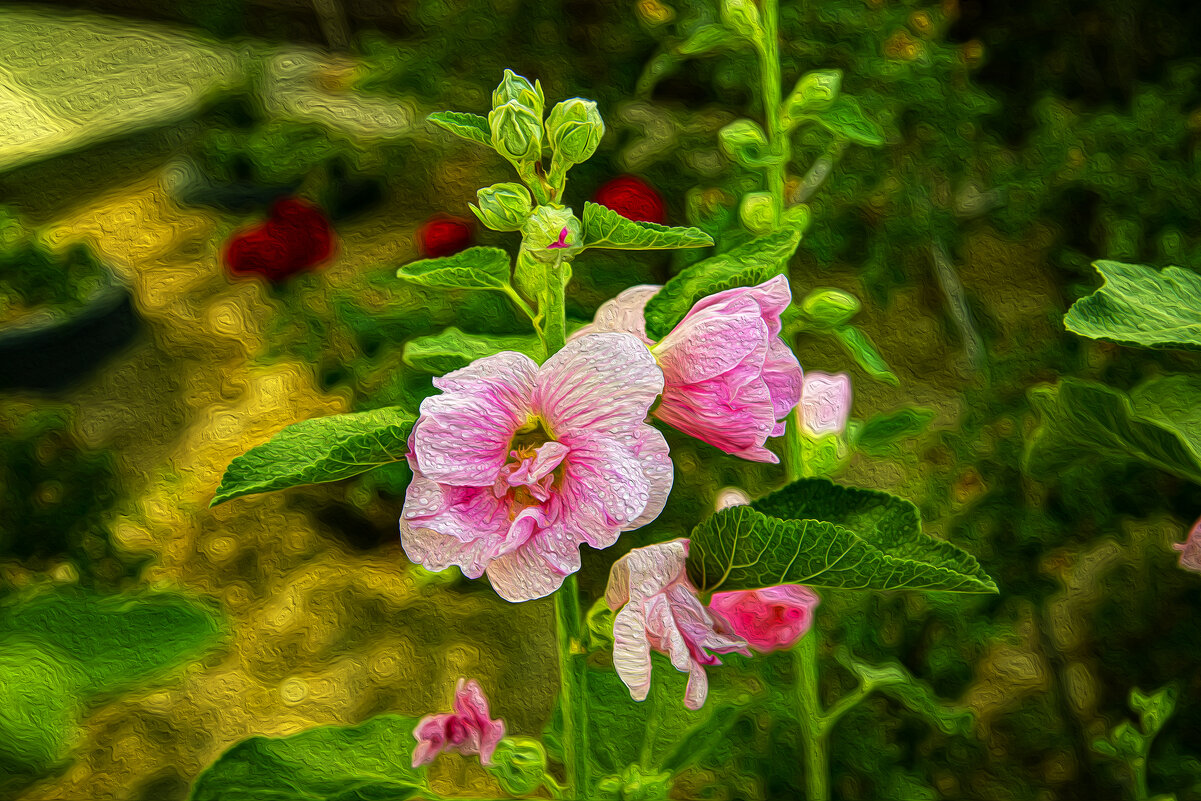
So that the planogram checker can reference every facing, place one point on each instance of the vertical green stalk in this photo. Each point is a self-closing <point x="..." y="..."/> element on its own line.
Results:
<point x="777" y="137"/>
<point x="812" y="720"/>
<point x="555" y="313"/>
<point x="572" y="688"/>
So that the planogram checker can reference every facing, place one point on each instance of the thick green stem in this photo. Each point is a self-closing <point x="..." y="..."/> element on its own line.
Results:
<point x="777" y="136"/>
<point x="572" y="688"/>
<point x="554" y="305"/>
<point x="812" y="720"/>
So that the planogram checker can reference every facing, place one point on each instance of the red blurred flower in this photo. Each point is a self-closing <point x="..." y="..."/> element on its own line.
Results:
<point x="443" y="235"/>
<point x="632" y="198"/>
<point x="295" y="237"/>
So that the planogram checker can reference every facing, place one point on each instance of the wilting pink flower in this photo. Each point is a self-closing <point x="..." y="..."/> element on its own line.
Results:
<point x="825" y="403"/>
<point x="468" y="730"/>
<point x="660" y="611"/>
<point x="1190" y="549"/>
<point x="729" y="378"/>
<point x="770" y="619"/>
<point x="514" y="465"/>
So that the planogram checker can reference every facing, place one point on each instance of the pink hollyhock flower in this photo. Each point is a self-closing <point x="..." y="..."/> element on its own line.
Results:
<point x="514" y="465"/>
<point x="729" y="378"/>
<point x="825" y="403"/>
<point x="770" y="619"/>
<point x="1190" y="549"/>
<point x="660" y="611"/>
<point x="468" y="730"/>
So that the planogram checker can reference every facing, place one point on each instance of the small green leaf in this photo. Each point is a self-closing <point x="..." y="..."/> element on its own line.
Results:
<point x="1159" y="424"/>
<point x="705" y="39"/>
<point x="821" y="534"/>
<point x="1154" y="709"/>
<point x="860" y="348"/>
<point x="895" y="681"/>
<point x="1141" y="306"/>
<point x="474" y="268"/>
<point x="845" y="117"/>
<point x="319" y="450"/>
<point x="468" y="126"/>
<point x="883" y="430"/>
<point x="605" y="228"/>
<point x="746" y="265"/>
<point x="452" y="349"/>
<point x="369" y="762"/>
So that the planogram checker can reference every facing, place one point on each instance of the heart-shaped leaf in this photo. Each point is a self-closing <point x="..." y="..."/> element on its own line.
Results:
<point x="469" y="126"/>
<point x="473" y="268"/>
<point x="1141" y="306"/>
<point x="605" y="228"/>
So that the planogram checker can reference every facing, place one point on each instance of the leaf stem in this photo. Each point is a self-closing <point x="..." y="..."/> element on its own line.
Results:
<point x="572" y="688"/>
<point x="814" y="723"/>
<point x="770" y="81"/>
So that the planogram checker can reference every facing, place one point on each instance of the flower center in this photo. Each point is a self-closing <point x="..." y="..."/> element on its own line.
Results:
<point x="533" y="467"/>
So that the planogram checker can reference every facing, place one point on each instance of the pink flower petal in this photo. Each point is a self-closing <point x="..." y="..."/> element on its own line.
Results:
<point x="643" y="572"/>
<point x="605" y="478"/>
<point x="599" y="381"/>
<point x="1190" y="549"/>
<point x="769" y="619"/>
<point x="623" y="314"/>
<point x="738" y="425"/>
<point x="772" y="297"/>
<point x="730" y="496"/>
<point x="783" y="376"/>
<point x="632" y="651"/>
<point x="704" y="346"/>
<point x="525" y="574"/>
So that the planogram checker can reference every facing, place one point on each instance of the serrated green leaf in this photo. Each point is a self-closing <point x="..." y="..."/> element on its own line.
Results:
<point x="1159" y="424"/>
<point x="821" y="534"/>
<point x="474" y="268"/>
<point x="605" y="228"/>
<point x="860" y="348"/>
<point x="452" y="349"/>
<point x="469" y="126"/>
<point x="845" y="117"/>
<point x="883" y="430"/>
<point x="1141" y="306"/>
<point x="319" y="450"/>
<point x="746" y="265"/>
<point x="368" y="762"/>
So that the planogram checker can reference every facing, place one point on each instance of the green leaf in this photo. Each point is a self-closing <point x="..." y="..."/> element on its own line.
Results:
<point x="1141" y="306"/>
<point x="468" y="126"/>
<point x="702" y="739"/>
<point x="1154" y="709"/>
<point x="895" y="681"/>
<point x="746" y="265"/>
<point x="863" y="351"/>
<point x="442" y="353"/>
<point x="821" y="534"/>
<point x="705" y="39"/>
<point x="319" y="450"/>
<point x="845" y="117"/>
<point x="879" y="434"/>
<point x="474" y="268"/>
<point x="368" y="762"/>
<point x="605" y="228"/>
<point x="1159" y="424"/>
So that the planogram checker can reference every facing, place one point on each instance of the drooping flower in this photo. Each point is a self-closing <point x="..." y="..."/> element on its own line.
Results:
<point x="1190" y="549"/>
<point x="769" y="619"/>
<point x="632" y="198"/>
<point x="468" y="730"/>
<point x="444" y="235"/>
<point x="729" y="378"/>
<point x="825" y="403"/>
<point x="515" y="465"/>
<point x="661" y="611"/>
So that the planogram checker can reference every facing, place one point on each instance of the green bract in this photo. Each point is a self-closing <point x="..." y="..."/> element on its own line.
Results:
<point x="745" y="142"/>
<point x="757" y="212"/>
<point x="543" y="232"/>
<point x="519" y="764"/>
<point x="516" y="132"/>
<point x="574" y="129"/>
<point x="514" y="87"/>
<point x="503" y="207"/>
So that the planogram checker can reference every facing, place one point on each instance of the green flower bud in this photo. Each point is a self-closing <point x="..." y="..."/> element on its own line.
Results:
<point x="515" y="87"/>
<point x="815" y="91"/>
<point x="519" y="764"/>
<point x="551" y="233"/>
<point x="742" y="17"/>
<point x="758" y="212"/>
<point x="516" y="132"/>
<point x="503" y="207"/>
<point x="574" y="129"/>
<point x="745" y="142"/>
<point x="830" y="307"/>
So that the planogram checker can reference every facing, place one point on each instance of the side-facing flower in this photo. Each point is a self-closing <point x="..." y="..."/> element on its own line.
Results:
<point x="661" y="611"/>
<point x="729" y="378"/>
<point x="515" y="465"/>
<point x="1190" y="549"/>
<point x="468" y="730"/>
<point x="770" y="619"/>
<point x="825" y="403"/>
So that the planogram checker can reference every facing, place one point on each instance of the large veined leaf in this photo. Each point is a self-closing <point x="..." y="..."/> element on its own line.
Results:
<point x="1159" y="423"/>
<point x="369" y="762"/>
<point x="319" y="450"/>
<point x="605" y="228"/>
<point x="474" y="268"/>
<point x="442" y="353"/>
<point x="469" y="126"/>
<point x="822" y="534"/>
<point x="1139" y="305"/>
<point x="746" y="265"/>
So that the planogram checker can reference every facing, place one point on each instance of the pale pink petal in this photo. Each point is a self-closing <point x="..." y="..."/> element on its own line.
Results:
<point x="436" y="551"/>
<point x="783" y="376"/>
<point x="1190" y="549"/>
<point x="525" y="574"/>
<point x="704" y="346"/>
<point x="738" y="425"/>
<point x="623" y="314"/>
<point x="631" y="651"/>
<point x="599" y="381"/>
<point x="644" y="572"/>
<point x="547" y="457"/>
<point x="465" y="513"/>
<point x="730" y="496"/>
<point x="664" y="632"/>
<point x="825" y="403"/>
<point x="604" y="485"/>
<point x="651" y="449"/>
<point x="697" y="689"/>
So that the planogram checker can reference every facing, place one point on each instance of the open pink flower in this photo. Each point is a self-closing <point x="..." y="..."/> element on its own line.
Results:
<point x="660" y="611"/>
<point x="468" y="730"/>
<point x="825" y="403"/>
<point x="1190" y="549"/>
<point x="770" y="619"/>
<point x="514" y="465"/>
<point x="729" y="378"/>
